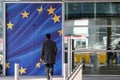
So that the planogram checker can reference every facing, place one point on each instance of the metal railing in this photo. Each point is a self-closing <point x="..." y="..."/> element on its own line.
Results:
<point x="77" y="73"/>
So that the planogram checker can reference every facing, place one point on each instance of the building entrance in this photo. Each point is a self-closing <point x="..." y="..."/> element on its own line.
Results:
<point x="95" y="35"/>
<point x="95" y="61"/>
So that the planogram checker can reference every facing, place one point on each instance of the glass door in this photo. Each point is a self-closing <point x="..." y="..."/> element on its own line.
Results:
<point x="97" y="47"/>
<point x="94" y="31"/>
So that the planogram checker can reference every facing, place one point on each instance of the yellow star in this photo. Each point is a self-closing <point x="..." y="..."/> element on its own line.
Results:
<point x="51" y="10"/>
<point x="60" y="32"/>
<point x="56" y="18"/>
<point x="25" y="14"/>
<point x="40" y="9"/>
<point x="38" y="65"/>
<point x="7" y="65"/>
<point x="22" y="70"/>
<point x="10" y="25"/>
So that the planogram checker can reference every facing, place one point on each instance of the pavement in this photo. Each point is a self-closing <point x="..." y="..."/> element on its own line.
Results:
<point x="85" y="77"/>
<point x="102" y="70"/>
<point x="89" y="73"/>
<point x="29" y="78"/>
<point x="101" y="77"/>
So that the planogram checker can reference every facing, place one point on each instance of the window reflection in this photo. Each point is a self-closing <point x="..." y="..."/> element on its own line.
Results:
<point x="92" y="37"/>
<point x="96" y="35"/>
<point x="96" y="62"/>
<point x="91" y="10"/>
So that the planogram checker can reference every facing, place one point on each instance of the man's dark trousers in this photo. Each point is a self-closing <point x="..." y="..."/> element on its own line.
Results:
<point x="49" y="70"/>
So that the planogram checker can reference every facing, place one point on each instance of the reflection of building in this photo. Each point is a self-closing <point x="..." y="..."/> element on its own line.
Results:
<point x="103" y="32"/>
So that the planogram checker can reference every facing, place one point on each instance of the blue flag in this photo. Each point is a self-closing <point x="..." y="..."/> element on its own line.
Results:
<point x="26" y="26"/>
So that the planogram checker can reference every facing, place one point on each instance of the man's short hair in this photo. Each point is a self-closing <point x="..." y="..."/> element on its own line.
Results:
<point x="48" y="36"/>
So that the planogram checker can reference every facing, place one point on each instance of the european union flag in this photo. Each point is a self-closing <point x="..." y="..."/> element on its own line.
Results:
<point x="26" y="26"/>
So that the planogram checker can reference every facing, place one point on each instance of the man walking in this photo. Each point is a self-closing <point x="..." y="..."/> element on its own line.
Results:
<point x="48" y="55"/>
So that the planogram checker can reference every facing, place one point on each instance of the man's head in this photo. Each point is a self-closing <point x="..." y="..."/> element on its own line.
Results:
<point x="48" y="36"/>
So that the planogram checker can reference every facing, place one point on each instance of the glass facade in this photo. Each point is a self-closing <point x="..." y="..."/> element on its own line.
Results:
<point x="94" y="30"/>
<point x="93" y="37"/>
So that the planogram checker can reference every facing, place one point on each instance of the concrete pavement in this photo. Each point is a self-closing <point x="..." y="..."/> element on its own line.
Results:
<point x="85" y="77"/>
